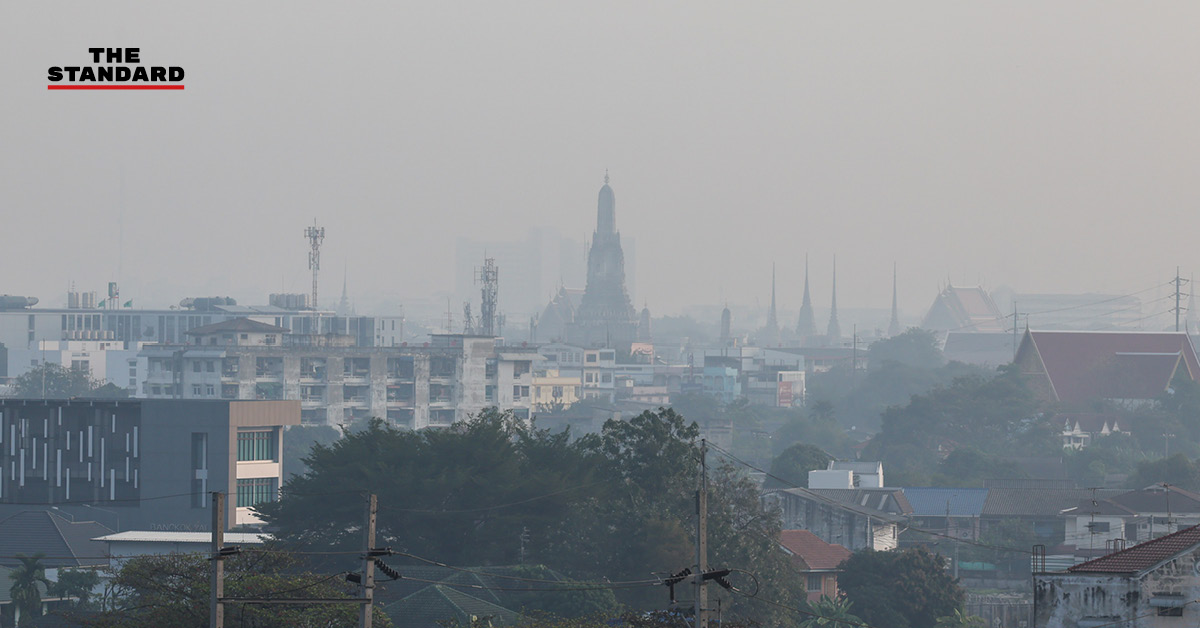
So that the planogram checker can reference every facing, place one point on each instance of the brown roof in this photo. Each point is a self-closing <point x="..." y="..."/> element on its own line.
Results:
<point x="1143" y="556"/>
<point x="810" y="553"/>
<point x="238" y="325"/>
<point x="1085" y="365"/>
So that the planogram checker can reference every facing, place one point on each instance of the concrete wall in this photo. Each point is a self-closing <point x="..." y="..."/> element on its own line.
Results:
<point x="1076" y="600"/>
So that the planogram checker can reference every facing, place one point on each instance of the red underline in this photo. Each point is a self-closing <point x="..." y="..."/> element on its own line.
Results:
<point x="114" y="87"/>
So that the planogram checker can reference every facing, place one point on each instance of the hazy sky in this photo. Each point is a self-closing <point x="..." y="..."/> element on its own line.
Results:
<point x="1048" y="146"/>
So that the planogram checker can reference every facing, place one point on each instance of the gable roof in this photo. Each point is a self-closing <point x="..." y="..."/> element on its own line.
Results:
<point x="1037" y="502"/>
<point x="968" y="308"/>
<point x="1143" y="556"/>
<point x="244" y="325"/>
<point x="810" y="553"/>
<point x="1086" y="365"/>
<point x="1156" y="499"/>
<point x="64" y="543"/>
<point x="933" y="502"/>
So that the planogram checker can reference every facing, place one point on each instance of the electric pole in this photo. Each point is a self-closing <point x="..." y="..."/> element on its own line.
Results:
<point x="216" y="610"/>
<point x="368" y="575"/>
<point x="1179" y="281"/>
<point x="702" y="538"/>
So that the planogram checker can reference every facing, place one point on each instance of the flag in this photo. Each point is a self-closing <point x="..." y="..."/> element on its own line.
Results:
<point x="128" y="303"/>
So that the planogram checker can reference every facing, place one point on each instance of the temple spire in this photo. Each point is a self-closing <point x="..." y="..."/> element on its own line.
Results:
<point x="806" y="326"/>
<point x="894" y="326"/>
<point x="834" y="333"/>
<point x="772" y="318"/>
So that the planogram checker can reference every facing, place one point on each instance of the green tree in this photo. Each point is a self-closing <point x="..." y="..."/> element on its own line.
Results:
<point x="53" y="381"/>
<point x="1177" y="470"/>
<point x="299" y="440"/>
<point x="792" y="466"/>
<point x="75" y="583"/>
<point x="28" y="582"/>
<point x="830" y="612"/>
<point x="900" y="589"/>
<point x="915" y="347"/>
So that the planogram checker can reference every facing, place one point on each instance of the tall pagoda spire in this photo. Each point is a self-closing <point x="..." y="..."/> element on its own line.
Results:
<point x="894" y="326"/>
<point x="806" y="326"/>
<point x="834" y="333"/>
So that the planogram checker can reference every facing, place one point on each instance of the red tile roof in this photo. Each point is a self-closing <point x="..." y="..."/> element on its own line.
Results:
<point x="1143" y="556"/>
<point x="1083" y="366"/>
<point x="810" y="553"/>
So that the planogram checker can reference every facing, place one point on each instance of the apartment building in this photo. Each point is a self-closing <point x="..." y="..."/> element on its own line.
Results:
<point x="336" y="381"/>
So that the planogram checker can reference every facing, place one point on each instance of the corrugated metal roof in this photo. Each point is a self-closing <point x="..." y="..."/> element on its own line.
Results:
<point x="932" y="502"/>
<point x="154" y="536"/>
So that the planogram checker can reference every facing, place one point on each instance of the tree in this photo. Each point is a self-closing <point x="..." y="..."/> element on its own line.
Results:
<point x="299" y="441"/>
<point x="53" y="381"/>
<point x="831" y="613"/>
<point x="75" y="583"/>
<point x="28" y="581"/>
<point x="1177" y="470"/>
<point x="792" y="466"/>
<point x="900" y="589"/>
<point x="915" y="347"/>
<point x="173" y="589"/>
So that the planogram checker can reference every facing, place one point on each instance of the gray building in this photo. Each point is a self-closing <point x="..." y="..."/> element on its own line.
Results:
<point x="145" y="464"/>
<point x="336" y="381"/>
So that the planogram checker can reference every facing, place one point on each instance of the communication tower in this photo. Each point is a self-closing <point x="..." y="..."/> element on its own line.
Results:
<point x="489" y="277"/>
<point x="315" y="235"/>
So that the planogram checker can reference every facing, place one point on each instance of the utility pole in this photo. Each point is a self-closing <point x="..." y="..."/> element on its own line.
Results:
<point x="1179" y="281"/>
<point x="854" y="357"/>
<point x="368" y="576"/>
<point x="216" y="610"/>
<point x="702" y="538"/>
<point x="1014" y="328"/>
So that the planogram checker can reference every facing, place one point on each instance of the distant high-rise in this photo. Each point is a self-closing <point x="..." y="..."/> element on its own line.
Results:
<point x="834" y="333"/>
<point x="894" y="326"/>
<point x="605" y="316"/>
<point x="726" y="326"/>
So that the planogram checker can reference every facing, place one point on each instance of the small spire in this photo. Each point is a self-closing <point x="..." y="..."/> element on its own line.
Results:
<point x="834" y="332"/>
<point x="606" y="176"/>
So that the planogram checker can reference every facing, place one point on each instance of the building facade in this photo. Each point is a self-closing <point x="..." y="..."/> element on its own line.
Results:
<point x="151" y="463"/>
<point x="336" y="382"/>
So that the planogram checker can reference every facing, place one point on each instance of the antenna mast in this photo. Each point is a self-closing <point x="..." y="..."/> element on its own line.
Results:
<point x="315" y="235"/>
<point x="489" y="277"/>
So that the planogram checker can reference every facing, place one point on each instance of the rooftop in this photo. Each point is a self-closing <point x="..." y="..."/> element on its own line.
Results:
<point x="148" y="536"/>
<point x="243" y="325"/>
<point x="811" y="553"/>
<point x="1143" y="556"/>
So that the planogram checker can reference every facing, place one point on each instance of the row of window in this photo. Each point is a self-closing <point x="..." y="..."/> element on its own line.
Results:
<point x="255" y="491"/>
<point x="256" y="445"/>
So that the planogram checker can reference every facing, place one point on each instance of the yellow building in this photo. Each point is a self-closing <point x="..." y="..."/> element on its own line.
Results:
<point x="553" y="391"/>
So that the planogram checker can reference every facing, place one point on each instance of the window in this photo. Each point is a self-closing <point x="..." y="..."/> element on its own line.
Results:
<point x="156" y="390"/>
<point x="814" y="581"/>
<point x="245" y="336"/>
<point x="1170" y="611"/>
<point x="199" y="463"/>
<point x="210" y="390"/>
<point x="516" y="392"/>
<point x="591" y="357"/>
<point x="133" y="372"/>
<point x="196" y="366"/>
<point x="210" y="366"/>
<point x="606" y="378"/>
<point x="255" y="445"/>
<point x="195" y="390"/>
<point x="254" y="491"/>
